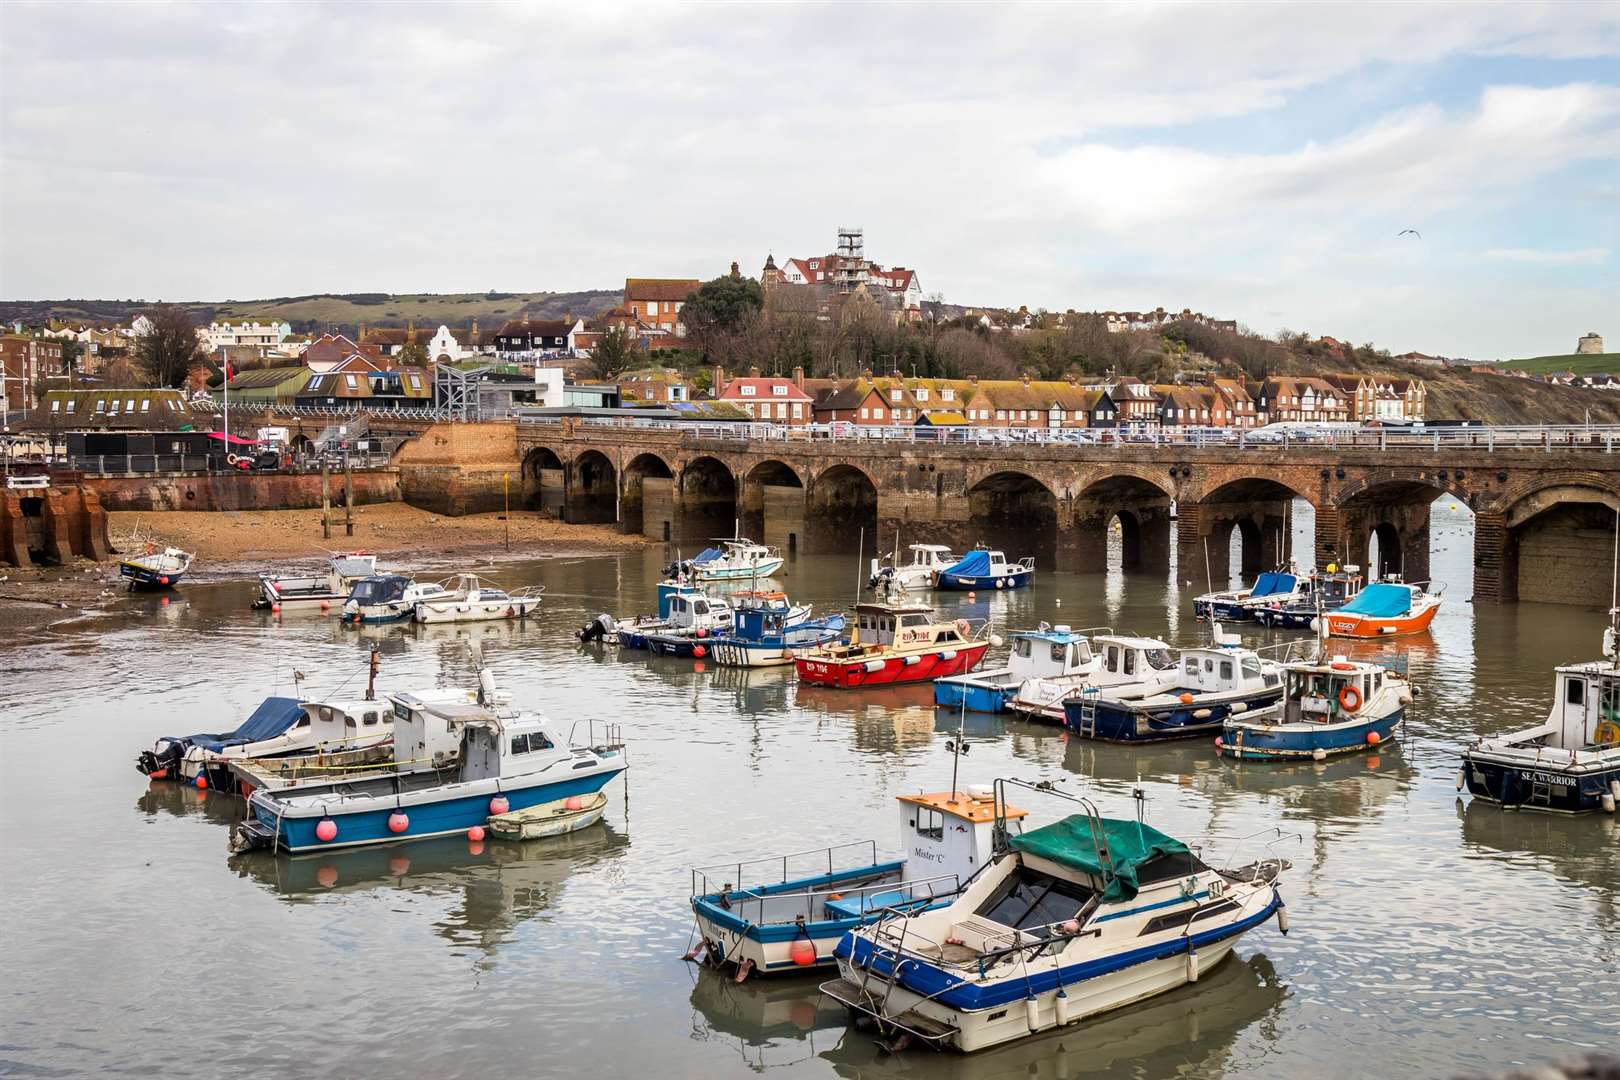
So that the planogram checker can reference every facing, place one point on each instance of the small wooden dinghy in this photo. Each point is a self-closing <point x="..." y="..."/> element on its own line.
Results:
<point x="550" y="819"/>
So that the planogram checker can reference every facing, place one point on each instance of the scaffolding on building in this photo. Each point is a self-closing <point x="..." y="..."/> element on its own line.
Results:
<point x="852" y="266"/>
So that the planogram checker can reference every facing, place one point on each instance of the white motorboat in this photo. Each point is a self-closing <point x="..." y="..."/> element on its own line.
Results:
<point x="1048" y="652"/>
<point x="736" y="559"/>
<point x="1120" y="659"/>
<point x="471" y="599"/>
<point x="927" y="560"/>
<point x="1066" y="921"/>
<point x="324" y="591"/>
<point x="155" y="567"/>
<point x="388" y="598"/>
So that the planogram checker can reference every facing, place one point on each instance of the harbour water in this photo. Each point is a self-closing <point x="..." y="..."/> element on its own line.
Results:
<point x="1427" y="937"/>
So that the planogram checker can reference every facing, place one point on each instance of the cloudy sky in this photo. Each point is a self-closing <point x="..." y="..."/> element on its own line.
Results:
<point x="1253" y="162"/>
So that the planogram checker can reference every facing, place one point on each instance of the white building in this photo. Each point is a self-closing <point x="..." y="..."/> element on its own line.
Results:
<point x="548" y="388"/>
<point x="263" y="335"/>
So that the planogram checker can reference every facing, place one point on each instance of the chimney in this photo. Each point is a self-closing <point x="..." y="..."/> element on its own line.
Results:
<point x="866" y="373"/>
<point x="1072" y="379"/>
<point x="475" y="331"/>
<point x="974" y="379"/>
<point x="894" y="374"/>
<point x="1026" y="378"/>
<point x="753" y="372"/>
<point x="798" y="377"/>
<point x="362" y="332"/>
<point x="718" y="380"/>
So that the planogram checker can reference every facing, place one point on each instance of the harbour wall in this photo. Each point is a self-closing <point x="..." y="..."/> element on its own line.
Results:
<point x="240" y="491"/>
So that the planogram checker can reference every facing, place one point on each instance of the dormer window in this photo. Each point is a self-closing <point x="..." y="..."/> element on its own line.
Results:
<point x="945" y="394"/>
<point x="921" y="393"/>
<point x="747" y="391"/>
<point x="895" y="394"/>
<point x="779" y="390"/>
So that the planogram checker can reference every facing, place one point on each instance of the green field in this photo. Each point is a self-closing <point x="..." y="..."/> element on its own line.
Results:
<point x="1580" y="364"/>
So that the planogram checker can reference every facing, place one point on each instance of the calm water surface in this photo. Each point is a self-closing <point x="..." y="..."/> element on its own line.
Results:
<point x="1427" y="937"/>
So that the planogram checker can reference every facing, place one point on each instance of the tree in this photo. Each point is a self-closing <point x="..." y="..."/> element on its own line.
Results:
<point x="720" y="308"/>
<point x="169" y="352"/>
<point x="614" y="352"/>
<point x="412" y="354"/>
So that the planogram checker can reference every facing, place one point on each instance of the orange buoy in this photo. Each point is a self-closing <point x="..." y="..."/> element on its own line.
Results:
<point x="1186" y="699"/>
<point x="802" y="952"/>
<point x="573" y="802"/>
<point x="476" y="833"/>
<point x="202" y="781"/>
<point x="326" y="831"/>
<point x="158" y="774"/>
<point x="499" y="805"/>
<point x="163" y="579"/>
<point x="1350" y="701"/>
<point x="835" y="896"/>
<point x="398" y="821"/>
<point x="699" y="651"/>
<point x="1343" y="665"/>
<point x="1373" y="739"/>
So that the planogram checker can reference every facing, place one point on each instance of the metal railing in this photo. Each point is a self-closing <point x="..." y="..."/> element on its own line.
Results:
<point x="702" y="874"/>
<point x="168" y="464"/>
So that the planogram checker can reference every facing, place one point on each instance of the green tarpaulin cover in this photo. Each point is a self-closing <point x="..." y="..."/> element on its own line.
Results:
<point x="1070" y="843"/>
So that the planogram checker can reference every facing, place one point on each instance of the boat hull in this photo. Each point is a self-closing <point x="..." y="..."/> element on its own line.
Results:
<point x="1361" y="626"/>
<point x="1013" y="579"/>
<point x="987" y="693"/>
<point x="1519" y="786"/>
<point x="848" y="674"/>
<point x="517" y="608"/>
<point x="1284" y="619"/>
<point x="683" y="645"/>
<point x="146" y="578"/>
<point x="762" y="569"/>
<point x="1290" y="742"/>
<point x="548" y="819"/>
<point x="1114" y="724"/>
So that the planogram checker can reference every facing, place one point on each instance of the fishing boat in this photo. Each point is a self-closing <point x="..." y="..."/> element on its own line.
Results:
<point x="1329" y="706"/>
<point x="506" y="759"/>
<point x="1385" y="609"/>
<point x="1049" y="652"/>
<point x="324" y="591"/>
<point x="471" y="599"/>
<point x="1122" y="659"/>
<point x="788" y="912"/>
<point x="155" y="567"/>
<point x="736" y="559"/>
<point x="1062" y="922"/>
<point x="893" y="643"/>
<point x="983" y="568"/>
<point x="1570" y="762"/>
<point x="763" y="637"/>
<point x="1240" y="605"/>
<point x="556" y="818"/>
<point x="1327" y="592"/>
<point x="1212" y="683"/>
<point x="631" y="633"/>
<point x="927" y="560"/>
<point x="386" y="598"/>
<point x="693" y="619"/>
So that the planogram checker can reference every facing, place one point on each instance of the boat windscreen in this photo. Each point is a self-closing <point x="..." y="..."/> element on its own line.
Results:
<point x="1031" y="901"/>
<point x="1381" y="601"/>
<point x="1264" y="585"/>
<point x="1071" y="843"/>
<point x="973" y="564"/>
<point x="707" y="555"/>
<point x="375" y="590"/>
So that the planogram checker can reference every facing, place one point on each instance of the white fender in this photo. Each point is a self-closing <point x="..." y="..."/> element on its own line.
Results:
<point x="1608" y="802"/>
<point x="1201" y="714"/>
<point x="948" y="655"/>
<point x="1240" y="707"/>
<point x="1032" y="1013"/>
<point x="1319" y="754"/>
<point x="1062" y="1008"/>
<point x="910" y="660"/>
<point x="1462" y="778"/>
<point x="1282" y="919"/>
<point x="873" y="665"/>
<point x="1192" y="965"/>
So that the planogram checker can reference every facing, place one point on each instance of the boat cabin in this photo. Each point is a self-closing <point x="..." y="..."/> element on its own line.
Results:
<point x="931" y="556"/>
<point x="1322" y="692"/>
<point x="757" y="624"/>
<point x="426" y="736"/>
<point x="1127" y="659"/>
<point x="952" y="833"/>
<point x="903" y="626"/>
<point x="380" y="589"/>
<point x="498" y="744"/>
<point x="1217" y="670"/>
<point x="698" y="611"/>
<point x="1049" y="653"/>
<point x="343" y="721"/>
<point x="1336" y="588"/>
<point x="1586" y="707"/>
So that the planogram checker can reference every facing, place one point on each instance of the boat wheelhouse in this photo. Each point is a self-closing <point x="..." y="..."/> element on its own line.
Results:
<point x="388" y="598"/>
<point x="1212" y="683"/>
<point x="1568" y="763"/>
<point x="1240" y="605"/>
<point x="736" y="559"/>
<point x="764" y="637"/>
<point x="632" y="633"/>
<point x="323" y="591"/>
<point x="1329" y="706"/>
<point x="1385" y="609"/>
<point x="926" y="561"/>
<point x="693" y="619"/>
<point x="1122" y="659"/>
<point x="1328" y="592"/>
<point x="1050" y="652"/>
<point x="983" y="568"/>
<point x="893" y="643"/>
<point x="787" y="912"/>
<point x="1065" y="921"/>
<point x="156" y="568"/>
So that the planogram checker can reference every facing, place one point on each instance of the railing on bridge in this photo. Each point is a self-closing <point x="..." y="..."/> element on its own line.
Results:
<point x="164" y="464"/>
<point x="1594" y="438"/>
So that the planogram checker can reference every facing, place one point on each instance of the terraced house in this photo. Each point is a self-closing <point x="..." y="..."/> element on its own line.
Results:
<point x="894" y="399"/>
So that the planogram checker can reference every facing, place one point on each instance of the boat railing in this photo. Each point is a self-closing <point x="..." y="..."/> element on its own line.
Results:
<point x="1286" y="651"/>
<point x="829" y="854"/>
<point x="1265" y="840"/>
<point x="599" y="735"/>
<point x="760" y="907"/>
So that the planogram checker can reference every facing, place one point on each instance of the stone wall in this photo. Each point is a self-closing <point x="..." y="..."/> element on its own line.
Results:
<point x="459" y="469"/>
<point x="240" y="491"/>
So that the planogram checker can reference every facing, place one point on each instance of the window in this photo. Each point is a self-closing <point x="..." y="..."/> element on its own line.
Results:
<point x="303" y="720"/>
<point x="1192" y="667"/>
<point x="747" y="390"/>
<point x="369" y="718"/>
<point x="781" y="410"/>
<point x="877" y="413"/>
<point x="864" y="411"/>
<point x="779" y="390"/>
<point x="1251" y="667"/>
<point x="1130" y="662"/>
<point x="146" y="405"/>
<point x="129" y="405"/>
<point x="56" y="406"/>
<point x="73" y="405"/>
<point x="1226" y="669"/>
<point x="348" y="721"/>
<point x="1574" y="692"/>
<point x="351" y="381"/>
<point x="921" y="393"/>
<point x="931" y="824"/>
<point x="798" y="410"/>
<point x="945" y="394"/>
<point x="113" y="411"/>
<point x="416" y="382"/>
<point x="894" y="395"/>
<point x="1001" y="414"/>
<point x="315" y="383"/>
<point x="101" y="405"/>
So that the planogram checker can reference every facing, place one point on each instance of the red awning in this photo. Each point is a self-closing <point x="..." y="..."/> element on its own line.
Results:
<point x="232" y="440"/>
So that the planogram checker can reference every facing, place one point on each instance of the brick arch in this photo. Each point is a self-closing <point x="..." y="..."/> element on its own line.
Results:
<point x="1159" y="479"/>
<point x="757" y="471"/>
<point x="1517" y="490"/>
<point x="1543" y="498"/>
<point x="1361" y="481"/>
<point x="1205" y="483"/>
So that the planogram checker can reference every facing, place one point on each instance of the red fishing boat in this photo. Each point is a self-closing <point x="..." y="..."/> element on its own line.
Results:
<point x="894" y="643"/>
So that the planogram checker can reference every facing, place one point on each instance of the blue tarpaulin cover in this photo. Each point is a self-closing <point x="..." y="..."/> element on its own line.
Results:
<point x="973" y="564"/>
<point x="707" y="555"/>
<point x="1382" y="601"/>
<point x="1265" y="585"/>
<point x="273" y="716"/>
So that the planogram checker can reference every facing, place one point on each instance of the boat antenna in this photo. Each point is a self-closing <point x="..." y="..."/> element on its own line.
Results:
<point x="1612" y="638"/>
<point x="959" y="747"/>
<point x="1209" y="575"/>
<point x="860" y="550"/>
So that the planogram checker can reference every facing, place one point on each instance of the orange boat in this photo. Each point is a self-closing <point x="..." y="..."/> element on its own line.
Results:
<point x="1384" y="609"/>
<point x="893" y="643"/>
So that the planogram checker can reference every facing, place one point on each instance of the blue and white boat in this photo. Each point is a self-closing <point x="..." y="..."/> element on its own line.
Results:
<point x="736" y="559"/>
<point x="768" y="637"/>
<point x="1570" y="762"/>
<point x="1050" y="652"/>
<point x="1325" y="592"/>
<point x="1145" y="664"/>
<point x="1238" y="605"/>
<point x="1211" y="684"/>
<point x="983" y="568"/>
<point x="1060" y="923"/>
<point x="506" y="760"/>
<point x="693" y="619"/>
<point x="385" y="598"/>
<point x="1329" y="706"/>
<point x="156" y="568"/>
<point x="632" y="633"/>
<point x="787" y="912"/>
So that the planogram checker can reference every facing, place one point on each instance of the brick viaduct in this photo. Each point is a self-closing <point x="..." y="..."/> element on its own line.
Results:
<point x="1543" y="521"/>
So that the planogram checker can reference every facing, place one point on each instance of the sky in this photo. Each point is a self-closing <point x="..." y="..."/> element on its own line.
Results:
<point x="1256" y="162"/>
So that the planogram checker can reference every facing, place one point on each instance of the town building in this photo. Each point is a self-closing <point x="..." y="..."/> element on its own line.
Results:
<point x="653" y="386"/>
<point x="657" y="302"/>
<point x="118" y="408"/>
<point x="265" y="337"/>
<point x="774" y="398"/>
<point x="24" y="361"/>
<point x="268" y="386"/>
<point x="847" y="270"/>
<point x="529" y="338"/>
<point x="1589" y="344"/>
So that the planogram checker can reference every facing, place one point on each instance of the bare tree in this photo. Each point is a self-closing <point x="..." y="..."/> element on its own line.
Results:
<point x="169" y="351"/>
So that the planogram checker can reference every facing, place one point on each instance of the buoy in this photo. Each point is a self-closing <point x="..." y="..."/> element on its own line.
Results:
<point x="1607" y="801"/>
<point x="573" y="802"/>
<point x="1058" y="602"/>
<point x="475" y="847"/>
<point x="158" y="774"/>
<point x="1062" y="1007"/>
<point x="202" y="781"/>
<point x="1238" y="707"/>
<point x="326" y="605"/>
<point x="326" y="831"/>
<point x="326" y="876"/>
<point x="399" y="866"/>
<point x="1319" y="754"/>
<point x="835" y="896"/>
<point x="1462" y="778"/>
<point x="1201" y="714"/>
<point x="275" y="609"/>
<point x="1186" y="699"/>
<point x="1032" y="1013"/>
<point x="499" y="805"/>
<point x="1192" y="965"/>
<point x="802" y="952"/>
<point x="163" y="579"/>
<point x="1282" y="919"/>
<point x="1373" y="739"/>
<point x="699" y="651"/>
<point x="1071" y="927"/>
<point x="398" y="821"/>
<point x="476" y="833"/>
<point x="702" y="633"/>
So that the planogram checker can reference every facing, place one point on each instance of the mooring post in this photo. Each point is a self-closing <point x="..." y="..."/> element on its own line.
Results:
<point x="326" y="501"/>
<point x="348" y="499"/>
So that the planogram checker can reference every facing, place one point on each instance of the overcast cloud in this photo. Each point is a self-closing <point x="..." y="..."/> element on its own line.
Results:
<point x="1250" y="162"/>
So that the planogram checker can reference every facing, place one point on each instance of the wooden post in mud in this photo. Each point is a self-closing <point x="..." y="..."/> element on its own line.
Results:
<point x="326" y="501"/>
<point x="506" y="487"/>
<point x="348" y="500"/>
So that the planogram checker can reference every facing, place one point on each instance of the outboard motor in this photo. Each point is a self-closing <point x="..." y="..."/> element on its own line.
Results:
<point x="881" y="578"/>
<point x="163" y="761"/>
<point x="598" y="629"/>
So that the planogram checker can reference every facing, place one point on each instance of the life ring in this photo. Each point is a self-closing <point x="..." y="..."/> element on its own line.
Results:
<point x="1350" y="699"/>
<point x="232" y="459"/>
<point x="1341" y="665"/>
<point x="1607" y="734"/>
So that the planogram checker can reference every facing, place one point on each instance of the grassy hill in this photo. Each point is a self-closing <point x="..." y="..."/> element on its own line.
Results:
<point x="1580" y="363"/>
<point x="344" y="310"/>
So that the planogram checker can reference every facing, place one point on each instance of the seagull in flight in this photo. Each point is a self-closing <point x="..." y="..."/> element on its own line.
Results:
<point x="1403" y="232"/>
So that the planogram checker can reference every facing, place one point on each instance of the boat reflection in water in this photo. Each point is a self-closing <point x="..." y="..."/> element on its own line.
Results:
<point x="770" y="1022"/>
<point x="1186" y="1032"/>
<point x="754" y="690"/>
<point x="886" y="717"/>
<point x="1583" y="850"/>
<point x="185" y="801"/>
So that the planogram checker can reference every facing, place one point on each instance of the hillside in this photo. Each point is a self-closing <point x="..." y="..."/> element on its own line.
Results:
<point x="1580" y="363"/>
<point x="345" y="311"/>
